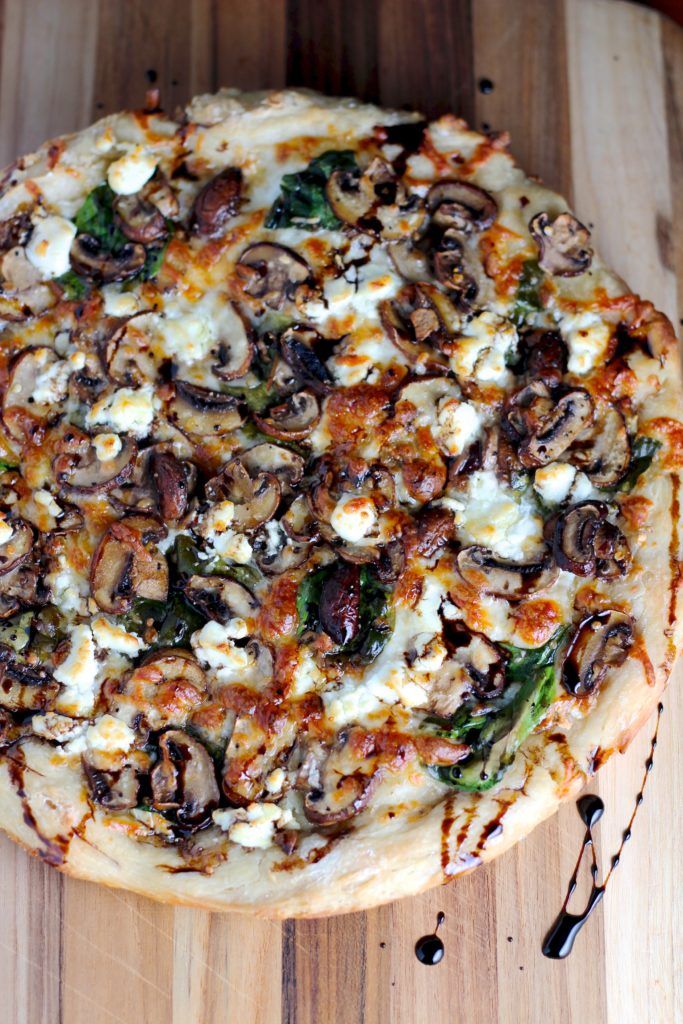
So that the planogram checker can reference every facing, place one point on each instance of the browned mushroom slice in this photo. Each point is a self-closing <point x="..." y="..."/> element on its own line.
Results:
<point x="586" y="544"/>
<point x="256" y="499"/>
<point x="123" y="568"/>
<point x="482" y="661"/>
<point x="413" y="325"/>
<point x="485" y="572"/>
<point x="253" y="752"/>
<point x="297" y="345"/>
<point x="19" y="589"/>
<point x="129" y="362"/>
<point x="217" y="202"/>
<point x="272" y="273"/>
<point x="159" y="192"/>
<point x="115" y="790"/>
<point x="339" y="608"/>
<point x="138" y="219"/>
<point x="18" y="547"/>
<point x="600" y="642"/>
<point x="235" y="349"/>
<point x="293" y="420"/>
<point x="25" y="687"/>
<point x="184" y="778"/>
<point x="172" y="480"/>
<point x="298" y="521"/>
<point x="411" y="262"/>
<point x="20" y="412"/>
<point x="607" y="455"/>
<point x="544" y="356"/>
<point x="275" y="552"/>
<point x="558" y="429"/>
<point x="374" y="200"/>
<point x="350" y="194"/>
<point x="220" y="598"/>
<point x="461" y="205"/>
<point x="90" y="260"/>
<point x="163" y="690"/>
<point x="203" y="413"/>
<point x="563" y="244"/>
<point x="83" y="473"/>
<point x="341" y="786"/>
<point x="450" y="270"/>
<point x="283" y="463"/>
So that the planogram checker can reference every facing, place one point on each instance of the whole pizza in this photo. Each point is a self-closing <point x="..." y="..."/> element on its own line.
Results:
<point x="339" y="529"/>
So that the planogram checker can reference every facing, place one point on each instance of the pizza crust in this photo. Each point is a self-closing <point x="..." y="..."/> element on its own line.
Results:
<point x="44" y="807"/>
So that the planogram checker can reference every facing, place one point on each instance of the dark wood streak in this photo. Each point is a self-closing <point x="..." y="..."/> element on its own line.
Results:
<point x="675" y="568"/>
<point x="288" y="984"/>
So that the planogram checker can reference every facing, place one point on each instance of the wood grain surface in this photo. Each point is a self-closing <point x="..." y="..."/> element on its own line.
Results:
<point x="592" y="92"/>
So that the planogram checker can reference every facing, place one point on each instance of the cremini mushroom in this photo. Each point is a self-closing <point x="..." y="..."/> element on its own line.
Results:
<point x="339" y="785"/>
<point x="294" y="419"/>
<point x="482" y="660"/>
<point x="339" y="608"/>
<point x="600" y="642"/>
<point x="201" y="412"/>
<point x="235" y="349"/>
<point x="114" y="789"/>
<point x="217" y="202"/>
<point x="24" y="687"/>
<point x="606" y="456"/>
<point x="80" y="471"/>
<point x="283" y="463"/>
<point x="138" y="219"/>
<point x="18" y="547"/>
<point x="413" y="323"/>
<point x="276" y="552"/>
<point x="563" y="244"/>
<point x="127" y="565"/>
<point x="220" y="598"/>
<point x="488" y="574"/>
<point x="21" y="413"/>
<point x="587" y="544"/>
<point x="374" y="200"/>
<point x="184" y="779"/>
<point x="90" y="260"/>
<point x="461" y="205"/>
<point x="19" y="589"/>
<point x="272" y="273"/>
<point x="544" y="356"/>
<point x="451" y="270"/>
<point x="256" y="499"/>
<point x="545" y="426"/>
<point x="297" y="345"/>
<point x="173" y="481"/>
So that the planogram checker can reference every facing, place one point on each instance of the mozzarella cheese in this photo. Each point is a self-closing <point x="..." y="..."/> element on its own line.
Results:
<point x="49" y="245"/>
<point x="353" y="518"/>
<point x="128" y="410"/>
<point x="111" y="735"/>
<point x="78" y="673"/>
<point x="131" y="171"/>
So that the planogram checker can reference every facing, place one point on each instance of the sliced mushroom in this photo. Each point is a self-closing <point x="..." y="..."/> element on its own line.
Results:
<point x="236" y="346"/>
<point x="451" y="270"/>
<point x="114" y="790"/>
<point x="217" y="202"/>
<point x="488" y="574"/>
<point x="293" y="420"/>
<point x="413" y="324"/>
<point x="24" y="687"/>
<point x="283" y="463"/>
<point x="350" y="194"/>
<point x="184" y="778"/>
<point x="600" y="642"/>
<point x="204" y="413"/>
<point x="586" y="544"/>
<point x="563" y="244"/>
<point x="482" y="660"/>
<point x="272" y="273"/>
<point x="220" y="598"/>
<point x="254" y="751"/>
<point x="544" y="356"/>
<point x="298" y="521"/>
<point x="569" y="416"/>
<point x="82" y="472"/>
<point x="461" y="205"/>
<point x="90" y="260"/>
<point x="18" y="548"/>
<point x="138" y="219"/>
<point x="342" y="785"/>
<point x="124" y="568"/>
<point x="374" y="200"/>
<point x="256" y="499"/>
<point x="275" y="552"/>
<point x="21" y="414"/>
<point x="339" y="609"/>
<point x="172" y="480"/>
<point x="127" y="358"/>
<point x="159" y="192"/>
<point x="297" y="345"/>
<point x="607" y="455"/>
<point x="411" y="262"/>
<point x="19" y="589"/>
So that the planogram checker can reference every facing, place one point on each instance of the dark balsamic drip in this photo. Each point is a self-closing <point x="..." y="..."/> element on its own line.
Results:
<point x="559" y="941"/>
<point x="486" y="86"/>
<point x="430" y="949"/>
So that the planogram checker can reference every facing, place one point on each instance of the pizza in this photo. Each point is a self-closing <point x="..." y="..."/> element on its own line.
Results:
<point x="339" y="503"/>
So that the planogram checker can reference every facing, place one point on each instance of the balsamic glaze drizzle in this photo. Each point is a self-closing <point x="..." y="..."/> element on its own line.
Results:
<point x="430" y="949"/>
<point x="559" y="941"/>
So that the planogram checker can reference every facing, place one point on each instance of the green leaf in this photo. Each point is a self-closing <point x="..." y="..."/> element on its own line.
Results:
<point x="308" y="597"/>
<point x="74" y="286"/>
<point x="155" y="259"/>
<point x="174" y="622"/>
<point x="96" y="218"/>
<point x="302" y="201"/>
<point x="5" y="465"/>
<point x="495" y="729"/>
<point x="16" y="632"/>
<point x="188" y="560"/>
<point x="643" y="451"/>
<point x="256" y="398"/>
<point x="527" y="297"/>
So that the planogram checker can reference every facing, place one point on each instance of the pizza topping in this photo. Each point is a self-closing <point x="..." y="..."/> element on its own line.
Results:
<point x="546" y="426"/>
<point x="173" y="481"/>
<point x="221" y="599"/>
<point x="341" y="785"/>
<point x="255" y="500"/>
<point x="273" y="273"/>
<point x="236" y="347"/>
<point x="16" y="544"/>
<point x="202" y="412"/>
<point x="461" y="205"/>
<point x="81" y="471"/>
<point x="218" y="202"/>
<point x="124" y="567"/>
<point x="600" y="642"/>
<point x="49" y="246"/>
<point x="339" y="604"/>
<point x="138" y="219"/>
<point x="115" y="790"/>
<point x="486" y="573"/>
<point x="585" y="543"/>
<point x="297" y="345"/>
<point x="293" y="420"/>
<point x="131" y="171"/>
<point x="563" y="244"/>
<point x="183" y="779"/>
<point x="24" y="687"/>
<point x="607" y="456"/>
<point x="90" y="260"/>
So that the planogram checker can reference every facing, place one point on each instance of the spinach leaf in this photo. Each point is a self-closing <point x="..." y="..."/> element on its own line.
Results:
<point x="174" y="622"/>
<point x="527" y="298"/>
<point x="156" y="256"/>
<point x="16" y="632"/>
<point x="643" y="451"/>
<point x="74" y="286"/>
<point x="375" y="612"/>
<point x="302" y="201"/>
<point x="5" y="465"/>
<point x="187" y="560"/>
<point x="96" y="218"/>
<point x="256" y="398"/>
<point x="496" y="728"/>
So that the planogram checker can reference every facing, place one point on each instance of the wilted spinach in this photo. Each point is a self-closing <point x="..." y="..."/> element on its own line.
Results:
<point x="302" y="201"/>
<point x="495" y="729"/>
<point x="643" y="451"/>
<point x="527" y="297"/>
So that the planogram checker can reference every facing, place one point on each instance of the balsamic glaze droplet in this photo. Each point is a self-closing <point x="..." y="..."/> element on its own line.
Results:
<point x="485" y="85"/>
<point x="430" y="949"/>
<point x="591" y="809"/>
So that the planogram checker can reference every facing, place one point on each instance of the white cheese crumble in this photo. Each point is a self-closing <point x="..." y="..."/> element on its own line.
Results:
<point x="253" y="826"/>
<point x="69" y="590"/>
<point x="234" y="546"/>
<point x="554" y="481"/>
<point x="128" y="410"/>
<point x="118" y="303"/>
<point x="307" y="676"/>
<point x="213" y="644"/>
<point x="46" y="501"/>
<point x="495" y="516"/>
<point x="49" y="245"/>
<point x="110" y="636"/>
<point x="353" y="518"/>
<point x="111" y="735"/>
<point x="457" y="426"/>
<point x="131" y="171"/>
<point x="482" y="351"/>
<point x="107" y="446"/>
<point x="51" y="384"/>
<point x="6" y="530"/>
<point x="587" y="340"/>
<point x="78" y="672"/>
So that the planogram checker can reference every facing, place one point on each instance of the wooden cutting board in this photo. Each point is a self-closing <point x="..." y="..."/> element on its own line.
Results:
<point x="592" y="92"/>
